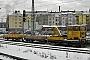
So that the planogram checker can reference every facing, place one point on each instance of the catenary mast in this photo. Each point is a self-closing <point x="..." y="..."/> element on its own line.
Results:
<point x="32" y="19"/>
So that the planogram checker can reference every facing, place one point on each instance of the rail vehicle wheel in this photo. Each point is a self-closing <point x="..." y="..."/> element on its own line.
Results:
<point x="26" y="40"/>
<point x="4" y="37"/>
<point x="79" y="45"/>
<point x="53" y="44"/>
<point x="22" y="40"/>
<point x="15" y="39"/>
<point x="48" y="43"/>
<point x="83" y="41"/>
<point x="40" y="42"/>
<point x="30" y="41"/>
<point x="12" y="39"/>
<point x="7" y="39"/>
<point x="18" y="40"/>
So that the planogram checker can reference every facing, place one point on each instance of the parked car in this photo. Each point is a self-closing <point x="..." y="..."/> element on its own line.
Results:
<point x="27" y="32"/>
<point x="87" y="33"/>
<point x="5" y="32"/>
<point x="1" y="34"/>
<point x="18" y="32"/>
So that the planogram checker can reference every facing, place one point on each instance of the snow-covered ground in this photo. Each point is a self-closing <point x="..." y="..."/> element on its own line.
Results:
<point x="5" y="58"/>
<point x="42" y="54"/>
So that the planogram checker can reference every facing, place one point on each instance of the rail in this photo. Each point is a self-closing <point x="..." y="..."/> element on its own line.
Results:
<point x="12" y="56"/>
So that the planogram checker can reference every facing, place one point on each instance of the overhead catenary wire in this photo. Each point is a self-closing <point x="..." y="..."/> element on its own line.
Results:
<point x="21" y="2"/>
<point x="41" y="6"/>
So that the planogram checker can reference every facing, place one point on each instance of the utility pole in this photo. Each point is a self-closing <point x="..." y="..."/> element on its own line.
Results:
<point x="32" y="18"/>
<point x="24" y="15"/>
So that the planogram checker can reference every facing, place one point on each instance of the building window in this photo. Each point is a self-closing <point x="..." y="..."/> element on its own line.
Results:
<point x="15" y="16"/>
<point x="63" y="22"/>
<point x="56" y="19"/>
<point x="15" y="25"/>
<point x="63" y="18"/>
<point x="70" y="20"/>
<point x="20" y="25"/>
<point x="20" y="19"/>
<point x="70" y="17"/>
<point x="53" y="18"/>
<point x="15" y="19"/>
<point x="53" y="21"/>
<point x="19" y="16"/>
<point x="56" y="23"/>
<point x="70" y="23"/>
<point x="20" y="22"/>
<point x="49" y="18"/>
<point x="64" y="15"/>
<point x="15" y="22"/>
<point x="49" y="21"/>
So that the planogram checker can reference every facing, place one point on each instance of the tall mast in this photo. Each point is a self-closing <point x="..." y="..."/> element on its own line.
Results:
<point x="32" y="20"/>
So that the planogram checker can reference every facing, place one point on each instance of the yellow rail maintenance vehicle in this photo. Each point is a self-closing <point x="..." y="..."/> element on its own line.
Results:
<point x="76" y="31"/>
<point x="14" y="36"/>
<point x="76" y="36"/>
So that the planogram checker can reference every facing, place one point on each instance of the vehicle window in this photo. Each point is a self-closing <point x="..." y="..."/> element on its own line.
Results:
<point x="82" y="28"/>
<point x="70" y="28"/>
<point x="75" y="28"/>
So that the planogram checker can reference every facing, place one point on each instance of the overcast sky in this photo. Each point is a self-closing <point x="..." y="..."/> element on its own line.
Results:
<point x="8" y="6"/>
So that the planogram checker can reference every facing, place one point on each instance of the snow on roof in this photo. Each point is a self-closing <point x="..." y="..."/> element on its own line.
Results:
<point x="64" y="13"/>
<point x="77" y="25"/>
<point x="56" y="15"/>
<point x="82" y="12"/>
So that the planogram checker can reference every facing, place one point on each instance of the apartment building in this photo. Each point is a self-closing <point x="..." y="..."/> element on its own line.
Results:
<point x="68" y="17"/>
<point x="47" y="18"/>
<point x="14" y="21"/>
<point x="51" y="18"/>
<point x="42" y="17"/>
<point x="82" y="17"/>
<point x="54" y="18"/>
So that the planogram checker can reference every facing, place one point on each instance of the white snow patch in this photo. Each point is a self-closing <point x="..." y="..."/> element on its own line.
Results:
<point x="42" y="54"/>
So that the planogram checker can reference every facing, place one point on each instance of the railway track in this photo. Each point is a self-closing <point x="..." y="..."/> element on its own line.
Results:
<point x="11" y="57"/>
<point x="41" y="46"/>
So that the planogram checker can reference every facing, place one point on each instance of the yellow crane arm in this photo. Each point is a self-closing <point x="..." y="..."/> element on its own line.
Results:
<point x="56" y="32"/>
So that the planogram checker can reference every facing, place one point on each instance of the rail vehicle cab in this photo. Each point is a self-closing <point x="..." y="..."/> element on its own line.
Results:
<point x="76" y="31"/>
